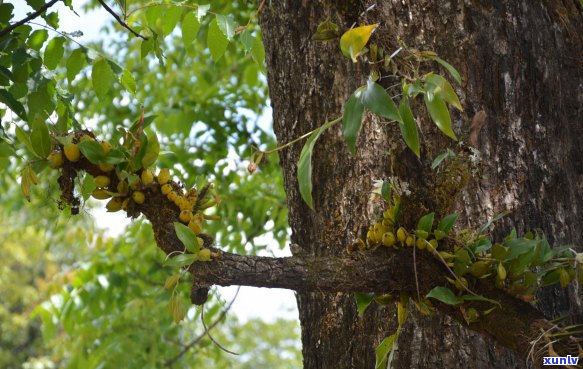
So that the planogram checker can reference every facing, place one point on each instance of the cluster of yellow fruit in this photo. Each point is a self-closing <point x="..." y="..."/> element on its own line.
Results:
<point x="383" y="233"/>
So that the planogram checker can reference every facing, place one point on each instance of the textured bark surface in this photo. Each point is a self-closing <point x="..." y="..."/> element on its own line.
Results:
<point x="521" y="65"/>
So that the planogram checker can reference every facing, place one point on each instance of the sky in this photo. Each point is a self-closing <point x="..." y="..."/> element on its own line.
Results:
<point x="251" y="302"/>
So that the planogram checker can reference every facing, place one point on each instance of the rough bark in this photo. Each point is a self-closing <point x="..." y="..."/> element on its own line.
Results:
<point x="520" y="61"/>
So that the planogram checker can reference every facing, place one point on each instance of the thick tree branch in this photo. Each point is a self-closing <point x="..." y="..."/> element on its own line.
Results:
<point x="30" y="17"/>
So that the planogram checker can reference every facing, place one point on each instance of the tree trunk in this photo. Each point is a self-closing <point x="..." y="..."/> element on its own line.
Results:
<point x="521" y="64"/>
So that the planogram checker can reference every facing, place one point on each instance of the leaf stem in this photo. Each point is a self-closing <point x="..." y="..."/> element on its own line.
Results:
<point x="306" y="135"/>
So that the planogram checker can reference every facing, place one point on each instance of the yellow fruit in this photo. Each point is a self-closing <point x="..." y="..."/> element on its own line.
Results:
<point x="166" y="189"/>
<point x="420" y="243"/>
<point x="106" y="167"/>
<point x="501" y="272"/>
<point x="72" y="152"/>
<point x="147" y="177"/>
<point x="101" y="181"/>
<point x="164" y="176"/>
<point x="195" y="226"/>
<point x="86" y="138"/>
<point x="55" y="160"/>
<point x="401" y="234"/>
<point x="410" y="241"/>
<point x="123" y="188"/>
<point x="389" y="239"/>
<point x="172" y="195"/>
<point x="100" y="194"/>
<point x="185" y="216"/>
<point x="138" y="197"/>
<point x="105" y="146"/>
<point x="114" y="204"/>
<point x="204" y="255"/>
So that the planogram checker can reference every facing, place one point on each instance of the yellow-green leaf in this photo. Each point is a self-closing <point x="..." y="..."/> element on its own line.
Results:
<point x="171" y="281"/>
<point x="440" y="86"/>
<point x="440" y="115"/>
<point x="217" y="42"/>
<point x="327" y="31"/>
<point x="177" y="308"/>
<point x="354" y="40"/>
<point x="54" y="52"/>
<point x="40" y="137"/>
<point x="102" y="77"/>
<point x="152" y="151"/>
<point x="190" y="27"/>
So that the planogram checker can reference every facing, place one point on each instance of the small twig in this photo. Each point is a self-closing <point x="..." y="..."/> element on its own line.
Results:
<point x="332" y="122"/>
<point x="195" y="341"/>
<point x="119" y="20"/>
<point x="30" y="17"/>
<point x="209" y="334"/>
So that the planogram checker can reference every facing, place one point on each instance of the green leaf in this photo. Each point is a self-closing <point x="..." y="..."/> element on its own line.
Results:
<point x="354" y="40"/>
<point x="40" y="137"/>
<point x="52" y="19"/>
<point x="76" y="62"/>
<point x="24" y="139"/>
<point x="454" y="73"/>
<point x="201" y="11"/>
<point x="171" y="18"/>
<point x="426" y="222"/>
<point x="92" y="150"/>
<point x="352" y="120"/>
<point x="102" y="77"/>
<point x="363" y="300"/>
<point x="41" y="101"/>
<point x="6" y="12"/>
<point x="378" y="101"/>
<point x="441" y="157"/>
<point x="54" y="52"/>
<point x="327" y="31"/>
<point x="496" y="217"/>
<point x="305" y="164"/>
<point x="445" y="295"/>
<point x="187" y="237"/>
<point x="408" y="127"/>
<point x="386" y="190"/>
<point x="217" y="42"/>
<point x="128" y="81"/>
<point x="247" y="40"/>
<point x="519" y="246"/>
<point x="6" y="150"/>
<point x="447" y="222"/>
<point x="440" y="115"/>
<point x="152" y="151"/>
<point x="7" y="99"/>
<point x="258" y="52"/>
<point x="439" y="85"/>
<point x="190" y="27"/>
<point x="153" y="14"/>
<point x="180" y="260"/>
<point x="227" y="25"/>
<point x="383" y="349"/>
<point x="37" y="39"/>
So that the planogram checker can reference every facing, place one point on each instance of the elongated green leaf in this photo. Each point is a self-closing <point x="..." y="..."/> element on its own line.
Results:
<point x="152" y="151"/>
<point x="454" y="73"/>
<point x="352" y="120"/>
<point x="102" y="77"/>
<point x="187" y="237"/>
<point x="217" y="42"/>
<point x="363" y="300"/>
<point x="40" y="137"/>
<point x="171" y="18"/>
<point x="408" y="127"/>
<point x="258" y="52"/>
<point x="75" y="63"/>
<point x="13" y="104"/>
<point x="305" y="164"/>
<point x="190" y="28"/>
<point x="354" y="40"/>
<point x="181" y="260"/>
<point x="382" y="351"/>
<point x="54" y="52"/>
<point x="445" y="295"/>
<point x="441" y="157"/>
<point x="440" y="115"/>
<point x="227" y="25"/>
<point x="378" y="101"/>
<point x="92" y="151"/>
<point x="426" y="222"/>
<point x="441" y="86"/>
<point x="447" y="223"/>
<point x="128" y="81"/>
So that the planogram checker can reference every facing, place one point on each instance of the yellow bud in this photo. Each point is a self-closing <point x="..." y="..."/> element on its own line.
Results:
<point x="564" y="278"/>
<point x="72" y="152"/>
<point x="56" y="160"/>
<point x="86" y="138"/>
<point x="195" y="226"/>
<point x="164" y="176"/>
<point x="401" y="234"/>
<point x="100" y="194"/>
<point x="501" y="272"/>
<point x="421" y="243"/>
<point x="172" y="195"/>
<point x="378" y="232"/>
<point x="123" y="187"/>
<point x="105" y="146"/>
<point x="204" y="255"/>
<point x="166" y="189"/>
<point x="147" y="177"/>
<point x="101" y="181"/>
<point x="432" y="245"/>
<point x="389" y="239"/>
<point x="138" y="197"/>
<point x="124" y="204"/>
<point x="410" y="241"/>
<point x="185" y="216"/>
